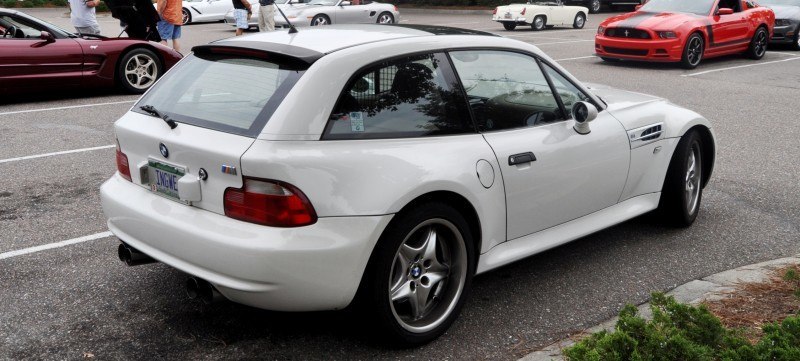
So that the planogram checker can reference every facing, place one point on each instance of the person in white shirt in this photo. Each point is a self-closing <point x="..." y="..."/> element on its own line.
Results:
<point x="83" y="18"/>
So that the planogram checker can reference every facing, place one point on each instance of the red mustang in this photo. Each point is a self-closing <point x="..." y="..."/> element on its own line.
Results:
<point x="686" y="31"/>
<point x="36" y="56"/>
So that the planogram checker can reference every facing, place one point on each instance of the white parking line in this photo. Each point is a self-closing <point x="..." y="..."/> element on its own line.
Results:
<point x="739" y="67"/>
<point x="45" y="247"/>
<point x="55" y="153"/>
<point x="580" y="57"/>
<point x="67" y="107"/>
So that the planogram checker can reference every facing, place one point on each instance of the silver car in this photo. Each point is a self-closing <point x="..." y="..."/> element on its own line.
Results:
<point x="326" y="12"/>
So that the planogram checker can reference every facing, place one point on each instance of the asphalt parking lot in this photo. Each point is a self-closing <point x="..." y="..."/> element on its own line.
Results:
<point x="73" y="299"/>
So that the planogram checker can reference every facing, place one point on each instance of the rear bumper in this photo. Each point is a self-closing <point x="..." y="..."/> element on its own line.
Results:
<point x="658" y="50"/>
<point x="318" y="267"/>
<point x="517" y="20"/>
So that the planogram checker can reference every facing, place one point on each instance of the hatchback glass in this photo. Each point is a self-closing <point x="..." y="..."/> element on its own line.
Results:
<point x="226" y="93"/>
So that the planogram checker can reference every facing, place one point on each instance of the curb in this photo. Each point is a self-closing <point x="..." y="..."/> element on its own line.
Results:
<point x="708" y="288"/>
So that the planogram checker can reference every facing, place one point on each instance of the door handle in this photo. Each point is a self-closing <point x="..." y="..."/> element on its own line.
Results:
<point x="521" y="158"/>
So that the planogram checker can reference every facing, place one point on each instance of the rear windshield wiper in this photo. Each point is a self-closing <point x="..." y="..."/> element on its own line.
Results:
<point x="154" y="112"/>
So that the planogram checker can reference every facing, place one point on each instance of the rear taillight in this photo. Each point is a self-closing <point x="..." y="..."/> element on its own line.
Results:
<point x="523" y="11"/>
<point x="123" y="167"/>
<point x="395" y="9"/>
<point x="494" y="12"/>
<point x="269" y="202"/>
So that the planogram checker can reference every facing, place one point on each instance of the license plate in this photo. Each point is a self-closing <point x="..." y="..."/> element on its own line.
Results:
<point x="508" y="15"/>
<point x="164" y="178"/>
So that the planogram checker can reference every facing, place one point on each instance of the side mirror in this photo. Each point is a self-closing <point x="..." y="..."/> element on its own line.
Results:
<point x="724" y="11"/>
<point x="638" y="7"/>
<point x="47" y="37"/>
<point x="583" y="113"/>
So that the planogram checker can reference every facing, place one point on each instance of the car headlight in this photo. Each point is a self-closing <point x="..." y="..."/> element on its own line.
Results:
<point x="667" y="34"/>
<point x="601" y="30"/>
<point x="782" y="22"/>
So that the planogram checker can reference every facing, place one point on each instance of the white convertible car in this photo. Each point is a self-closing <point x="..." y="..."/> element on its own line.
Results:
<point x="326" y="12"/>
<point x="540" y="14"/>
<point x="429" y="155"/>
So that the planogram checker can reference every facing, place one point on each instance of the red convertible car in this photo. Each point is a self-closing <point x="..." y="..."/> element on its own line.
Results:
<point x="36" y="56"/>
<point x="686" y="31"/>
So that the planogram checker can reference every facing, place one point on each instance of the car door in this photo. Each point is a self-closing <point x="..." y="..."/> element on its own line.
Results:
<point x="551" y="173"/>
<point x="728" y="30"/>
<point x="218" y="8"/>
<point x="349" y="13"/>
<point x="32" y="63"/>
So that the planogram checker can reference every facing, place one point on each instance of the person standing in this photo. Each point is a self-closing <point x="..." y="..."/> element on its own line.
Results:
<point x="242" y="14"/>
<point x="82" y="15"/>
<point x="266" y="15"/>
<point x="169" y="27"/>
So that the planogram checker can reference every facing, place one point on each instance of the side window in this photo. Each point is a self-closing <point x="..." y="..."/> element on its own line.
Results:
<point x="409" y="97"/>
<point x="569" y="93"/>
<point x="506" y="90"/>
<point x="16" y="28"/>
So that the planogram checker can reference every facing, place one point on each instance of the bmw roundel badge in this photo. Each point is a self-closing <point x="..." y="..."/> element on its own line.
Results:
<point x="163" y="149"/>
<point x="203" y="174"/>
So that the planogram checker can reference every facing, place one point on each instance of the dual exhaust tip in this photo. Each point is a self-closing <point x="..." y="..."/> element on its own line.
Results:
<point x="196" y="288"/>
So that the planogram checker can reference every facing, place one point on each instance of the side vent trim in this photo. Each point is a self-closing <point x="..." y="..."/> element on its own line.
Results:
<point x="645" y="135"/>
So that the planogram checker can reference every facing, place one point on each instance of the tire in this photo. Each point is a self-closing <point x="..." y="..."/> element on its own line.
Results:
<point x="138" y="70"/>
<point x="693" y="51"/>
<point x="594" y="6"/>
<point x="796" y="44"/>
<point x="539" y="23"/>
<point x="319" y="20"/>
<point x="758" y="45"/>
<point x="580" y="21"/>
<point x="186" y="16"/>
<point x="683" y="186"/>
<point x="385" y="18"/>
<point x="509" y="26"/>
<point x="432" y="239"/>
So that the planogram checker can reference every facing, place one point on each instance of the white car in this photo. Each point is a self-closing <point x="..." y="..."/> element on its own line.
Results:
<point x="540" y="14"/>
<point x="326" y="12"/>
<point x="429" y="155"/>
<point x="198" y="11"/>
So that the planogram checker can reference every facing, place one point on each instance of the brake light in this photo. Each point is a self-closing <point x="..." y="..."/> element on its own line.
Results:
<point x="395" y="8"/>
<point x="123" y="167"/>
<point x="494" y="12"/>
<point x="269" y="202"/>
<point x="523" y="11"/>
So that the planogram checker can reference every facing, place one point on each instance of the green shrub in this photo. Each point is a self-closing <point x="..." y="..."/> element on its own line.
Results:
<point x="9" y="3"/>
<point x="27" y="4"/>
<point x="37" y="3"/>
<point x="683" y="332"/>
<point x="59" y="2"/>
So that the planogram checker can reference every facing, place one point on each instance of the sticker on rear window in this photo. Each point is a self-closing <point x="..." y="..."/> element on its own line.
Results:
<point x="357" y="121"/>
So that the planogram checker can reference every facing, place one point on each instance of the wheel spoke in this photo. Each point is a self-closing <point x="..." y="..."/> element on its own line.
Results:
<point x="402" y="290"/>
<point x="422" y="302"/>
<point x="429" y="247"/>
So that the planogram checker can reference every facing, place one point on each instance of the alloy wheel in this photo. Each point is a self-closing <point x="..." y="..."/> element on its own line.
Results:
<point x="141" y="71"/>
<point x="320" y="20"/>
<point x="385" y="19"/>
<point x="579" y="21"/>
<point x="428" y="275"/>
<point x="695" y="50"/>
<point x="692" y="179"/>
<point x="761" y="43"/>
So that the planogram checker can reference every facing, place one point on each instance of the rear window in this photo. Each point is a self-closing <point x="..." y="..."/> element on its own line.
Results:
<point x="228" y="93"/>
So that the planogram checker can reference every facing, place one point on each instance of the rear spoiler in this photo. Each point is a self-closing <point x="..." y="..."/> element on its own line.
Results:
<point x="281" y="53"/>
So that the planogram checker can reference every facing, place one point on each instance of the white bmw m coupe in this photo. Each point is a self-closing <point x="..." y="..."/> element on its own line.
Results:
<point x="428" y="155"/>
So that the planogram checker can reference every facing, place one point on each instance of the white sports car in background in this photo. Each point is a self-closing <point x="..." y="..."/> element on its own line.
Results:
<point x="326" y="12"/>
<point x="540" y="14"/>
<point x="429" y="154"/>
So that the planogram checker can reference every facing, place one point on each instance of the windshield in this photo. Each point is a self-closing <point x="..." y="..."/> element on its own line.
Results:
<point x="699" y="7"/>
<point x="323" y="2"/>
<point x="544" y="2"/>
<point x="56" y="29"/>
<point x="780" y="2"/>
<point x="228" y="93"/>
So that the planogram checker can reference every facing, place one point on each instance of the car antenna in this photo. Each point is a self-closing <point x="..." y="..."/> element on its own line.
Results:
<point x="292" y="29"/>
